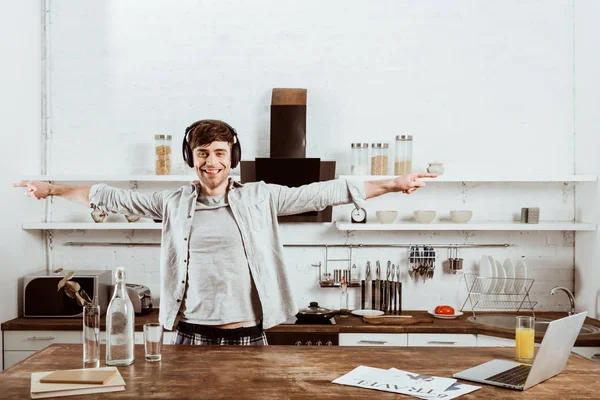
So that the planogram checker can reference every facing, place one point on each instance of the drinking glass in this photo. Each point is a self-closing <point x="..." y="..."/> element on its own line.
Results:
<point x="525" y="338"/>
<point x="91" y="336"/>
<point x="153" y="341"/>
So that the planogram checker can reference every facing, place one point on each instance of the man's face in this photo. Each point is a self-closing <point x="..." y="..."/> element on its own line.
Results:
<point x="212" y="163"/>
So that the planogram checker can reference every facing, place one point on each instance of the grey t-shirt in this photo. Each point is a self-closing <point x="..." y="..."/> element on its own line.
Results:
<point x="219" y="288"/>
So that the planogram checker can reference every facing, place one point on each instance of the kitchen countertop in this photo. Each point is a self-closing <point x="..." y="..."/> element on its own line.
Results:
<point x="274" y="372"/>
<point x="351" y="324"/>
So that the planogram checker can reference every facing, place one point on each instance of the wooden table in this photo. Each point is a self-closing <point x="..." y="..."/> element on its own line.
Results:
<point x="278" y="372"/>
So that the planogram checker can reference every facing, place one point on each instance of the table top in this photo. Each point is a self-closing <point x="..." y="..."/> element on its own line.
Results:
<point x="275" y="372"/>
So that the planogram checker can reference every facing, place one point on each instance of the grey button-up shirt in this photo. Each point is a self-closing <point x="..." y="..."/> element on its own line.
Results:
<point x="255" y="207"/>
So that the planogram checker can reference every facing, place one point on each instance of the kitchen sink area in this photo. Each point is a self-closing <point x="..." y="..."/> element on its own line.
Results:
<point x="508" y="322"/>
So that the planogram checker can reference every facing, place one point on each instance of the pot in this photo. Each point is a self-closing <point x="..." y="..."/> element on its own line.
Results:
<point x="314" y="313"/>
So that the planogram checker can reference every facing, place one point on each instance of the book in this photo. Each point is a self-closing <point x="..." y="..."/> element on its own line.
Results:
<point x="90" y="375"/>
<point x="41" y="390"/>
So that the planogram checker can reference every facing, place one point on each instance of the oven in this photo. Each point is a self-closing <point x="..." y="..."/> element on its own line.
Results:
<point x="304" y="338"/>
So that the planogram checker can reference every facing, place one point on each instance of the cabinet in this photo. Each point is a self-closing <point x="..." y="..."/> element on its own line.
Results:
<point x="492" y="341"/>
<point x="19" y="345"/>
<point x="373" y="339"/>
<point x="441" y="339"/>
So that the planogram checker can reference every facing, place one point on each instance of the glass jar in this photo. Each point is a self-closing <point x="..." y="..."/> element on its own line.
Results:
<point x="403" y="159"/>
<point x="379" y="158"/>
<point x="360" y="159"/>
<point x="162" y="146"/>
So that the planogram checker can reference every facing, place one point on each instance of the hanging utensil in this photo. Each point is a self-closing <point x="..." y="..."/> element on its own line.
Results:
<point x="377" y="288"/>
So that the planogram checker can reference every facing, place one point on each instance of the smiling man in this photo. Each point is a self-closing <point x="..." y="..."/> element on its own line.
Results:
<point x="222" y="269"/>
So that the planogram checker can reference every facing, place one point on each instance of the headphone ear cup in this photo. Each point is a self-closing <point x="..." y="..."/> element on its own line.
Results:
<point x="187" y="153"/>
<point x="236" y="154"/>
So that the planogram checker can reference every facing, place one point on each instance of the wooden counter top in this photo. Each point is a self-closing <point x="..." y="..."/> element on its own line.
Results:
<point x="351" y="324"/>
<point x="275" y="372"/>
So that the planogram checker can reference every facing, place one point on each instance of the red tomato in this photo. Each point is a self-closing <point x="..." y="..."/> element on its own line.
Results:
<point x="447" y="310"/>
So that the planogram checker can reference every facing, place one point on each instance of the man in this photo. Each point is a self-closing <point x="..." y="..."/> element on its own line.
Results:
<point x="223" y="276"/>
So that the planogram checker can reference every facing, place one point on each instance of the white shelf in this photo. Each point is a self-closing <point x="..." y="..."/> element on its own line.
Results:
<point x="486" y="178"/>
<point x="471" y="226"/>
<point x="344" y="226"/>
<point x="114" y="178"/>
<point x="92" y="226"/>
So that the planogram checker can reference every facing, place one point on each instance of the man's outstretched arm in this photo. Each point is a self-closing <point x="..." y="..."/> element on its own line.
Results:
<point x="41" y="190"/>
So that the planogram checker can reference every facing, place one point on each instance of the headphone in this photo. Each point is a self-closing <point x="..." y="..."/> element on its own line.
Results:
<point x="236" y="149"/>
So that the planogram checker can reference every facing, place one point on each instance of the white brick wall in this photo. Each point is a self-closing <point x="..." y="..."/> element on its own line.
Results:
<point x="481" y="87"/>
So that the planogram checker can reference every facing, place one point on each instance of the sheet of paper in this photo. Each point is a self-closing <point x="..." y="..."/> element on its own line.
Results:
<point x="452" y="392"/>
<point x="396" y="382"/>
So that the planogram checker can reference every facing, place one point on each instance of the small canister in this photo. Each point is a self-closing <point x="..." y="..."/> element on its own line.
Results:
<point x="162" y="154"/>
<point x="379" y="158"/>
<point x="403" y="159"/>
<point x="360" y="159"/>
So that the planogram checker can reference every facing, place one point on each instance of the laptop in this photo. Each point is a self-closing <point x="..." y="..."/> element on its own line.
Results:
<point x="550" y="360"/>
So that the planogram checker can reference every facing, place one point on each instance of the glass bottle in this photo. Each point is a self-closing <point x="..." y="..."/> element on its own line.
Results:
<point x="379" y="158"/>
<point x="360" y="159"/>
<point x="120" y="323"/>
<point x="162" y="154"/>
<point x="403" y="159"/>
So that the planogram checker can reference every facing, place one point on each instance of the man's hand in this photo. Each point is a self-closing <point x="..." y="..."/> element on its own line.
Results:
<point x="405" y="184"/>
<point x="409" y="183"/>
<point x="37" y="189"/>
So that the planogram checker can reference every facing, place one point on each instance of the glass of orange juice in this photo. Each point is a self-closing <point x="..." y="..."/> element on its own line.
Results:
<point x="525" y="338"/>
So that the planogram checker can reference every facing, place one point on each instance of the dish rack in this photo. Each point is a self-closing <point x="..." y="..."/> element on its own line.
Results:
<point x="498" y="293"/>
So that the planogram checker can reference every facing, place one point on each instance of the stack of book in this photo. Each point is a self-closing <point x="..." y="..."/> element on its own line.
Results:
<point x="75" y="382"/>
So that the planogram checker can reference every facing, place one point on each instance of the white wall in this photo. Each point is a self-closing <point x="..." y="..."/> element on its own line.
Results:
<point x="587" y="128"/>
<point x="20" y="124"/>
<point x="481" y="85"/>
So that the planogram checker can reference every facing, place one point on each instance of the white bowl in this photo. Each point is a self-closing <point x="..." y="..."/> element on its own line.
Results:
<point x="461" y="216"/>
<point x="424" y="216"/>
<point x="386" y="217"/>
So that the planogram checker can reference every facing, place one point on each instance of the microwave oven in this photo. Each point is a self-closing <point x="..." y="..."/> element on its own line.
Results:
<point x="41" y="297"/>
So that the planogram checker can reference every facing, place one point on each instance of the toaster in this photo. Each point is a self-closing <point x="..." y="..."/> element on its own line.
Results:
<point x="41" y="298"/>
<point x="140" y="297"/>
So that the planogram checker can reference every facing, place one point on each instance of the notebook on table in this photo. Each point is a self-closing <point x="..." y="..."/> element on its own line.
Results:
<point x="550" y="360"/>
<point x="113" y="382"/>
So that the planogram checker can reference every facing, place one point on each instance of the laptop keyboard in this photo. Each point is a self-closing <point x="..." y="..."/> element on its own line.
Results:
<point x="515" y="376"/>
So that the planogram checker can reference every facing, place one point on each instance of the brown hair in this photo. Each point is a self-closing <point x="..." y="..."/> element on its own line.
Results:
<point x="208" y="131"/>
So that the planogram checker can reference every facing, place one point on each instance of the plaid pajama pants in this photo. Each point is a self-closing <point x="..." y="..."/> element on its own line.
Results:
<point x="205" y="335"/>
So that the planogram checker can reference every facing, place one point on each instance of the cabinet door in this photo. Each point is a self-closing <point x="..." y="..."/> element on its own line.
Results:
<point x="36" y="340"/>
<point x="492" y="341"/>
<point x="11" y="357"/>
<point x="372" y="339"/>
<point x="441" y="339"/>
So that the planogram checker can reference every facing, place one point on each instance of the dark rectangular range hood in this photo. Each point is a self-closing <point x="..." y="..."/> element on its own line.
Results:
<point x="287" y="164"/>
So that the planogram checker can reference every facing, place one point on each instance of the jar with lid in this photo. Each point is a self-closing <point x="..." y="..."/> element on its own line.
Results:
<point x="379" y="158"/>
<point x="162" y="146"/>
<point x="360" y="159"/>
<point x="403" y="159"/>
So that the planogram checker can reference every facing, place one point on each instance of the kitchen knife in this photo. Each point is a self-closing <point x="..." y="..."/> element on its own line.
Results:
<point x="377" y="289"/>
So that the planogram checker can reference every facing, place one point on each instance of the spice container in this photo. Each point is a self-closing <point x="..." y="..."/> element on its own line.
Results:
<point x="162" y="145"/>
<point x="360" y="159"/>
<point x="379" y="159"/>
<point x="403" y="159"/>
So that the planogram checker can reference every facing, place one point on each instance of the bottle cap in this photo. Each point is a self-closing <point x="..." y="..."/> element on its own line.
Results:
<point x="120" y="274"/>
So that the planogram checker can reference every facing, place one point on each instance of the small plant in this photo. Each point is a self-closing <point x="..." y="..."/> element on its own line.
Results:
<point x="73" y="289"/>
